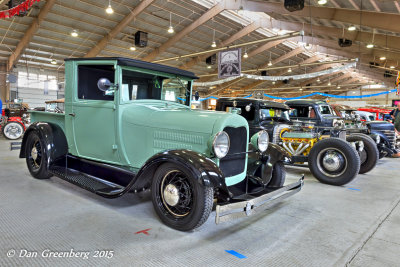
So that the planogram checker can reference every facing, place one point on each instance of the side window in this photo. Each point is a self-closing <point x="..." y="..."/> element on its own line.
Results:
<point x="302" y="112"/>
<point x="88" y="75"/>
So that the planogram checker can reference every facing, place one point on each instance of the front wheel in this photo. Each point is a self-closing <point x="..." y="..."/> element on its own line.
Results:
<point x="278" y="175"/>
<point x="13" y="130"/>
<point x="36" y="158"/>
<point x="367" y="150"/>
<point x="334" y="161"/>
<point x="179" y="199"/>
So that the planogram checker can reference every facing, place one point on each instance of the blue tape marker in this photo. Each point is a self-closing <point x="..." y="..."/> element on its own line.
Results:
<point x="236" y="254"/>
<point x="355" y="189"/>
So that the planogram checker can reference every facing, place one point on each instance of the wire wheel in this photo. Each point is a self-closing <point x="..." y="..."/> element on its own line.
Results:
<point x="35" y="156"/>
<point x="176" y="193"/>
<point x="13" y="130"/>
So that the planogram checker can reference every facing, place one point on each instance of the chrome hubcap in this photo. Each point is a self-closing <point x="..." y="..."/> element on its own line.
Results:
<point x="331" y="161"/>
<point x="171" y="195"/>
<point x="34" y="153"/>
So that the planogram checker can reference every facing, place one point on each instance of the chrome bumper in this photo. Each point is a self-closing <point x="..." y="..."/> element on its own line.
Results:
<point x="250" y="207"/>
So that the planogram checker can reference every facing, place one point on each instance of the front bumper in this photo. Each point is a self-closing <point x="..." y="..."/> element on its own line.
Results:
<point x="255" y="205"/>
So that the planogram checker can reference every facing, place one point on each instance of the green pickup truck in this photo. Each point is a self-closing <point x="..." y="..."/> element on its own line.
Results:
<point x="128" y="127"/>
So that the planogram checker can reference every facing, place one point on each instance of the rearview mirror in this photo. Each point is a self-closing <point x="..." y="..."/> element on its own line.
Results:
<point x="104" y="84"/>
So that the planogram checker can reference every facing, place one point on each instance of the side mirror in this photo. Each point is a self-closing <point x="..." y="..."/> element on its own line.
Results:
<point x="196" y="96"/>
<point x="104" y="84"/>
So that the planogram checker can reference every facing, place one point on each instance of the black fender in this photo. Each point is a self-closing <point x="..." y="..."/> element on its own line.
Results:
<point x="265" y="161"/>
<point x="204" y="169"/>
<point x="53" y="137"/>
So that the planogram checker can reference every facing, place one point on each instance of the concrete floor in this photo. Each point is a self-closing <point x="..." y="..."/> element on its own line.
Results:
<point x="356" y="225"/>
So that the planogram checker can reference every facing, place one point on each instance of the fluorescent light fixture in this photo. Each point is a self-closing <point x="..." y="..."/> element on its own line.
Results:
<point x="352" y="28"/>
<point x="322" y="2"/>
<point x="370" y="46"/>
<point x="382" y="58"/>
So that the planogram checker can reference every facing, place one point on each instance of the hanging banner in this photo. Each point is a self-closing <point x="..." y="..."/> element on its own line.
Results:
<point x="229" y="63"/>
<point x="279" y="78"/>
<point x="398" y="83"/>
<point x="17" y="10"/>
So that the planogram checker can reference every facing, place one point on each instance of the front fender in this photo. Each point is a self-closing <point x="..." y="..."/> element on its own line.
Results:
<point x="205" y="170"/>
<point x="53" y="137"/>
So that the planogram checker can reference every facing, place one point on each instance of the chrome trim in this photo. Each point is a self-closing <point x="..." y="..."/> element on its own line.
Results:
<point x="250" y="207"/>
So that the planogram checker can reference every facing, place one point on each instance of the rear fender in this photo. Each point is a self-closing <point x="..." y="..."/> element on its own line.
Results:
<point x="203" y="169"/>
<point x="53" y="137"/>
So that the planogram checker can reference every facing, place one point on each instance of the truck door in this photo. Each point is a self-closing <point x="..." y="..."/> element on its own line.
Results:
<point x="94" y="115"/>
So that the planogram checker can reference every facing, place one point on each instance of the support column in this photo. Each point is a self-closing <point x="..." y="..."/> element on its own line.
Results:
<point x="4" y="87"/>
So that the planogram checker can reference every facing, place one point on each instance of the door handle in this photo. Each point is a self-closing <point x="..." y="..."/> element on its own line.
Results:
<point x="72" y="114"/>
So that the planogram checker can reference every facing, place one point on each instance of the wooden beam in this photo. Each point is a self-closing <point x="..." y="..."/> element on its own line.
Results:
<point x="120" y="26"/>
<point x="212" y="12"/>
<point x="23" y="43"/>
<point x="372" y="19"/>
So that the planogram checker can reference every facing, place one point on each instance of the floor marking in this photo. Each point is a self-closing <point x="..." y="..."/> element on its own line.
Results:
<point x="236" y="254"/>
<point x="355" y="189"/>
<point x="145" y="231"/>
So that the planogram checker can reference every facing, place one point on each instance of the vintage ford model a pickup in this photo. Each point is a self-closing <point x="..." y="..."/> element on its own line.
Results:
<point x="128" y="127"/>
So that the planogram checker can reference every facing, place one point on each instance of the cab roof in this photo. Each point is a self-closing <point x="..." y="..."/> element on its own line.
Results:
<point x="268" y="103"/>
<point x="122" y="61"/>
<point x="306" y="102"/>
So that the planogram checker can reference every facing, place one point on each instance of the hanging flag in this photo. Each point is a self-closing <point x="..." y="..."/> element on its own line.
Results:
<point x="17" y="10"/>
<point x="398" y="83"/>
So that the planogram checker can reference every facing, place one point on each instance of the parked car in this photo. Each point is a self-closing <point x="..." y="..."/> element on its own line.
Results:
<point x="128" y="127"/>
<point x="14" y="120"/>
<point x="331" y="160"/>
<point x="365" y="116"/>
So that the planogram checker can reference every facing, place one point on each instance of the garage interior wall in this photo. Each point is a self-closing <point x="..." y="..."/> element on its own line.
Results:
<point x="35" y="86"/>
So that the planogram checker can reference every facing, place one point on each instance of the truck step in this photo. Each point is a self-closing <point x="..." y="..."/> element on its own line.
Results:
<point x="88" y="182"/>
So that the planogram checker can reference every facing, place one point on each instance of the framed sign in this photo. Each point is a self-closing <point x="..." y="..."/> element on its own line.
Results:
<point x="229" y="63"/>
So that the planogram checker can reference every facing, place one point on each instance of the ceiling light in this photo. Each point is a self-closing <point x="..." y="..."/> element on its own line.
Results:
<point x="301" y="89"/>
<point x="208" y="66"/>
<point x="270" y="63"/>
<point x="322" y="2"/>
<point x="74" y="33"/>
<point x="382" y="58"/>
<point x="245" y="55"/>
<point x="392" y="67"/>
<point x="53" y="61"/>
<point x="109" y="9"/>
<point x="354" y="92"/>
<point x="318" y="80"/>
<point x="132" y="48"/>
<point x="329" y="84"/>
<point x="213" y="44"/>
<point x="352" y="28"/>
<point x="170" y="28"/>
<point x="273" y="82"/>
<point x="370" y="46"/>
<point x="338" y="87"/>
<point x="289" y="70"/>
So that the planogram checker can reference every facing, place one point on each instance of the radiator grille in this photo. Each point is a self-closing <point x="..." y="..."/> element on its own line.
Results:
<point x="234" y="163"/>
<point x="391" y="135"/>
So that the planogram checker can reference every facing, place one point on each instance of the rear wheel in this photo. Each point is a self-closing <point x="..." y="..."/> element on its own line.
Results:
<point x="367" y="150"/>
<point x="334" y="161"/>
<point x="179" y="199"/>
<point x="36" y="158"/>
<point x="13" y="130"/>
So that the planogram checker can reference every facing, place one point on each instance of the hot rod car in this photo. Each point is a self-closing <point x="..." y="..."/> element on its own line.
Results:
<point x="14" y="120"/>
<point x="152" y="140"/>
<point x="331" y="160"/>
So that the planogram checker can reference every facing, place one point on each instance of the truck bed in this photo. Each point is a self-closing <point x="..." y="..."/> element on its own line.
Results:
<point x="52" y="117"/>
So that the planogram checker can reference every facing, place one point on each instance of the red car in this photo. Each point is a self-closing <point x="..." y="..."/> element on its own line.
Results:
<point x="380" y="114"/>
<point x="13" y="120"/>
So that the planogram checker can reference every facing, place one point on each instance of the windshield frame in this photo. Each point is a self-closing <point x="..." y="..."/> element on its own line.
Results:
<point x="120" y="70"/>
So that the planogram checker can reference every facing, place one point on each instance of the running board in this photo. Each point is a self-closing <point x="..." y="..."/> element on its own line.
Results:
<point x="88" y="182"/>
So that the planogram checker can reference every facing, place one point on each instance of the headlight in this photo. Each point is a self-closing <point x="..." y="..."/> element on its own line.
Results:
<point x="263" y="141"/>
<point x="221" y="144"/>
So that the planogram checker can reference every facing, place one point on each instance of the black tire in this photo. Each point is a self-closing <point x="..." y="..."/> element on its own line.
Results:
<point x="369" y="156"/>
<point x="194" y="203"/>
<point x="278" y="175"/>
<point x="36" y="159"/>
<point x="347" y="158"/>
<point x="13" y="130"/>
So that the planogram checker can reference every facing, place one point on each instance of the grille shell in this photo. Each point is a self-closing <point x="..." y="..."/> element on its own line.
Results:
<point x="234" y="162"/>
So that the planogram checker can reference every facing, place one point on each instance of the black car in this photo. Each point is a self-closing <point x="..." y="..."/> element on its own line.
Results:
<point x="325" y="118"/>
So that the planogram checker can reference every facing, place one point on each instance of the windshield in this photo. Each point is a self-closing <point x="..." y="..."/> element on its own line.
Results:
<point x="371" y="117"/>
<point x="136" y="85"/>
<point x="326" y="110"/>
<point x="271" y="113"/>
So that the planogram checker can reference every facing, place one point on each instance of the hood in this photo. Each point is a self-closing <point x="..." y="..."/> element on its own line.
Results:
<point x="380" y="125"/>
<point x="164" y="114"/>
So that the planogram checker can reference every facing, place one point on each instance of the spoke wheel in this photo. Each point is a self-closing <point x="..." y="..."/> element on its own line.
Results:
<point x="13" y="130"/>
<point x="179" y="199"/>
